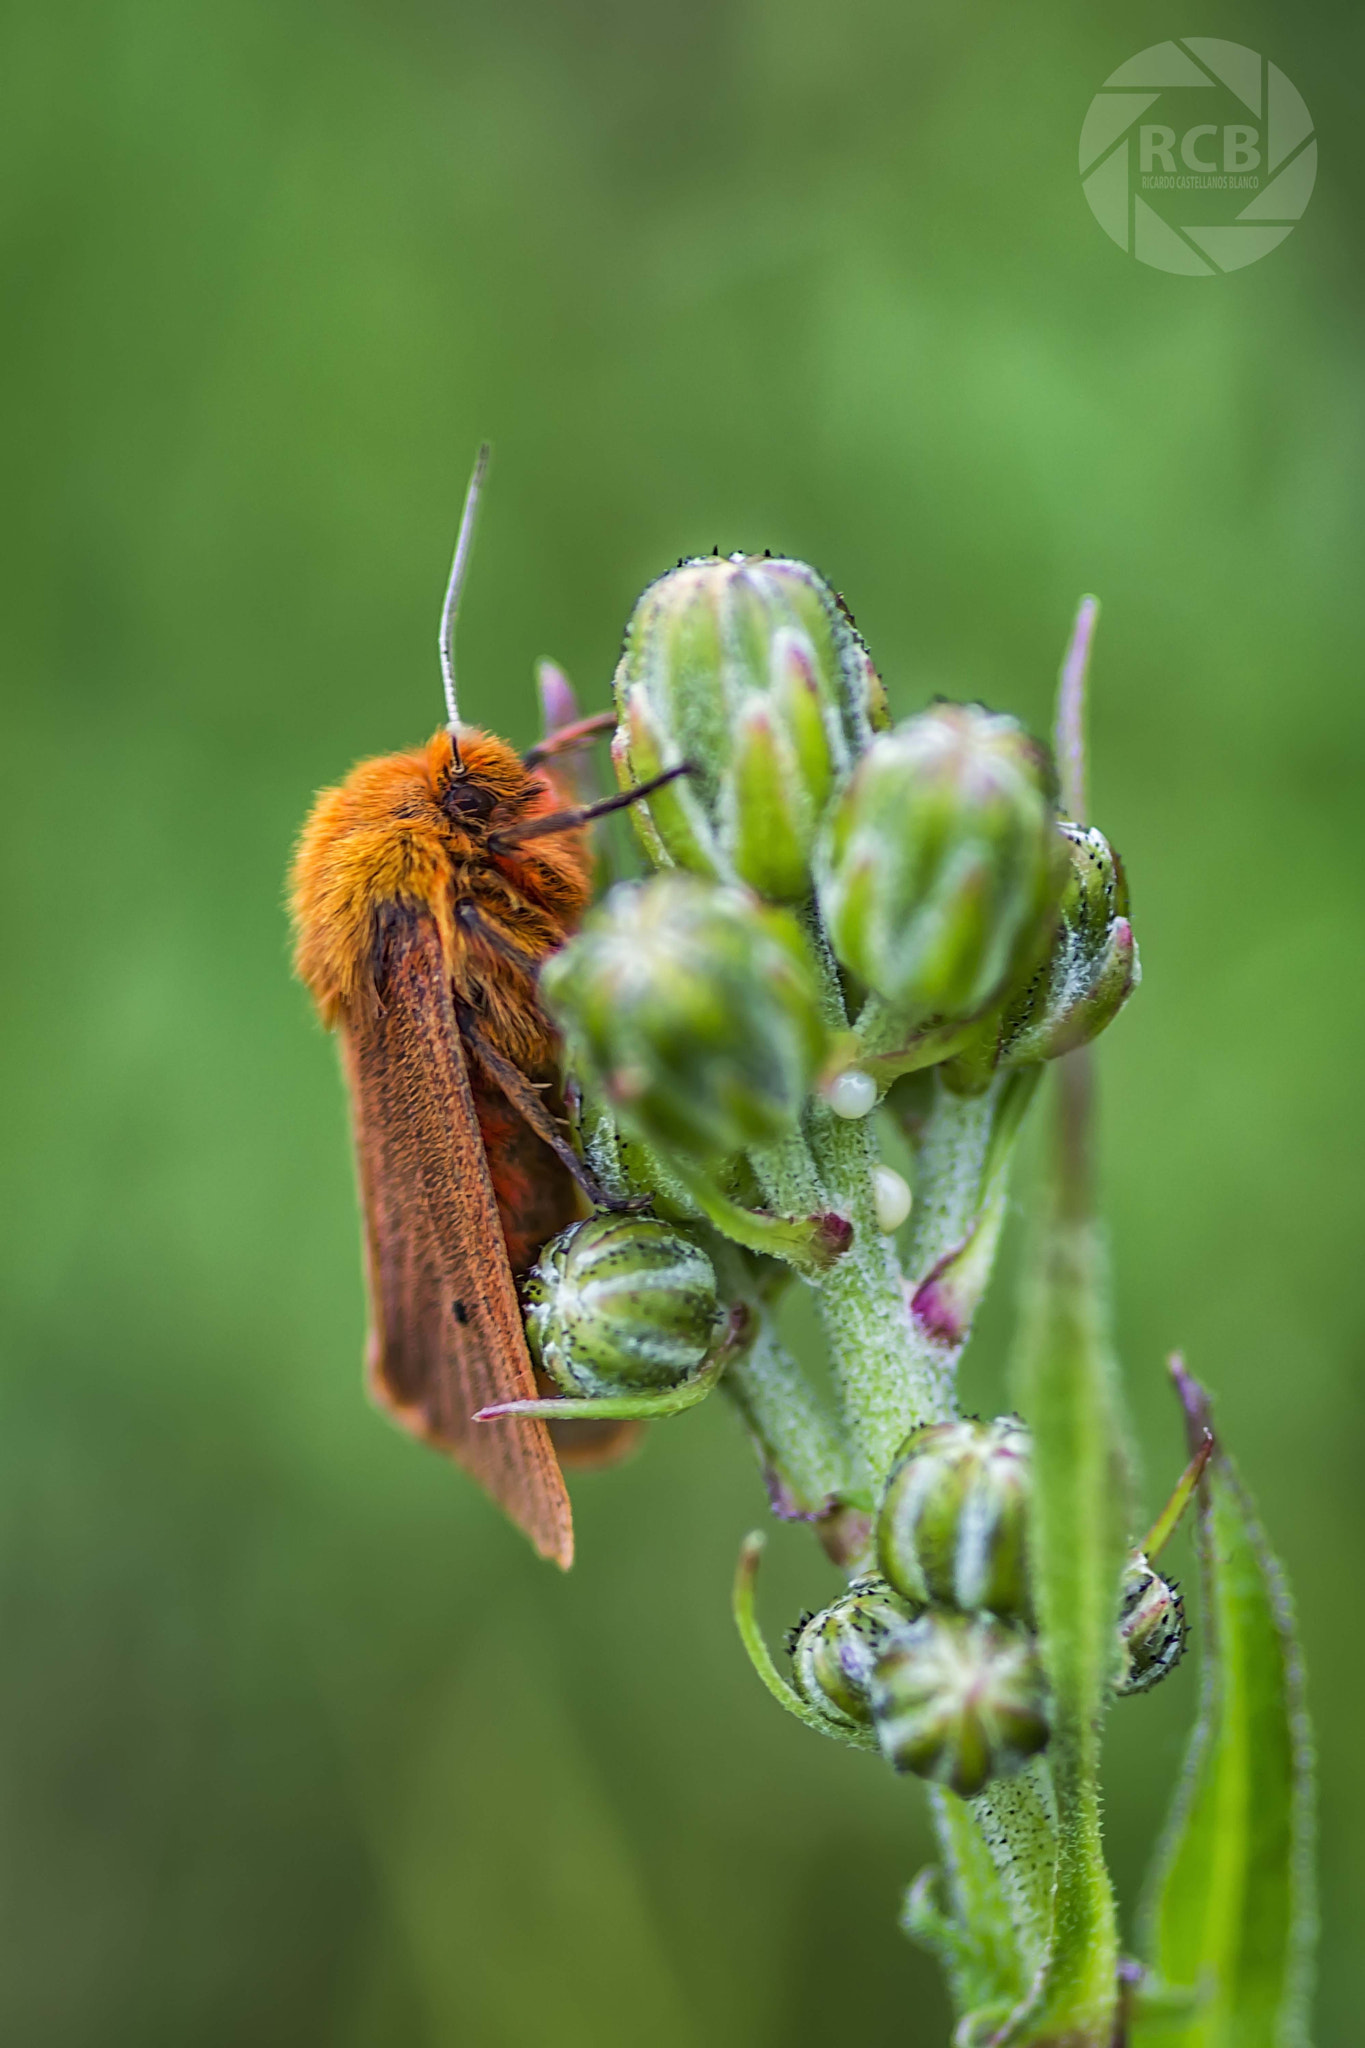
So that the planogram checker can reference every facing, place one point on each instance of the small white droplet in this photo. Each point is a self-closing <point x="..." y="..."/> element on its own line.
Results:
<point x="853" y="1093"/>
<point x="891" y="1196"/>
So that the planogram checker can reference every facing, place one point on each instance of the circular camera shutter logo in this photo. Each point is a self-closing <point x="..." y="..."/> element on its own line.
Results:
<point x="1198" y="156"/>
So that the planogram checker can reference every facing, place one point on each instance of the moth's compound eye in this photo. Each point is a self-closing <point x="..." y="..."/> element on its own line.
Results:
<point x="464" y="798"/>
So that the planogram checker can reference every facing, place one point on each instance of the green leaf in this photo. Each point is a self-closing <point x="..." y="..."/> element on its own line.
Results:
<point x="1065" y="1384"/>
<point x="959" y="1910"/>
<point x="1230" y="1913"/>
<point x="958" y="1946"/>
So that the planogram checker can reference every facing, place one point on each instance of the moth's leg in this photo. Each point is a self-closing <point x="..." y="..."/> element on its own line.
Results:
<point x="525" y="1099"/>
<point x="488" y="934"/>
<point x="581" y="814"/>
<point x="567" y="736"/>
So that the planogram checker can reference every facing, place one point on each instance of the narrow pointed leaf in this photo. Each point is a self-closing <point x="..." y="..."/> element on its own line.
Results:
<point x="1229" y="1916"/>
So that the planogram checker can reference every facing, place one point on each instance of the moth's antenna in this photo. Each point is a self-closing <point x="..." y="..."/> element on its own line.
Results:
<point x="456" y="585"/>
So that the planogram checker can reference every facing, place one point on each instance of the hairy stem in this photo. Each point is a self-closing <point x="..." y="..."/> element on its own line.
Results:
<point x="964" y="1146"/>
<point x="805" y="1462"/>
<point x="883" y="1386"/>
<point x="863" y="1306"/>
<point x="1017" y="1821"/>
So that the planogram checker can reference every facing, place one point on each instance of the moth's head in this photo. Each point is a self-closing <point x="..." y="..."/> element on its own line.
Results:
<point x="475" y="777"/>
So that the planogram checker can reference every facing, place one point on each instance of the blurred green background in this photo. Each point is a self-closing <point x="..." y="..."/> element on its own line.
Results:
<point x="300" y="1744"/>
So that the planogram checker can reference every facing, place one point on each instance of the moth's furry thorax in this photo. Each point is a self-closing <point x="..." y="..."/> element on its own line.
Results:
<point x="413" y="829"/>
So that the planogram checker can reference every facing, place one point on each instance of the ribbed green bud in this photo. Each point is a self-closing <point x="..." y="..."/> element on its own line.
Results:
<point x="621" y="1304"/>
<point x="696" y="1012"/>
<point x="1151" y="1627"/>
<point x="749" y="669"/>
<point x="939" y="864"/>
<point x="1093" y="966"/>
<point x="833" y="1652"/>
<point x="960" y="1699"/>
<point x="953" y="1526"/>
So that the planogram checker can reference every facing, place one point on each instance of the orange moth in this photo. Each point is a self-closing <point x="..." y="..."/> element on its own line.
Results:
<point x="426" y="890"/>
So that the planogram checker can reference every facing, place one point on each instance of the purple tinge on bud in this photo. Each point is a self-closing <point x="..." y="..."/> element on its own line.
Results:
<point x="570" y="770"/>
<point x="558" y="704"/>
<point x="834" y="1652"/>
<point x="933" y="1306"/>
<point x="835" y="1234"/>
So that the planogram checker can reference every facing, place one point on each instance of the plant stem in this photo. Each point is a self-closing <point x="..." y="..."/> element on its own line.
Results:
<point x="805" y="1463"/>
<point x="963" y="1151"/>
<point x="1017" y="1820"/>
<point x="884" y="1388"/>
<point x="953" y="1152"/>
<point x="863" y="1306"/>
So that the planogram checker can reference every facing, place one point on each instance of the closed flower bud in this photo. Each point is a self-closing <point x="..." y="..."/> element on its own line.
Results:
<point x="833" y="1652"/>
<point x="1151" y="1627"/>
<point x="1093" y="966"/>
<point x="621" y="1304"/>
<point x="953" y="1526"/>
<point x="939" y="864"/>
<point x="959" y="1699"/>
<point x="748" y="668"/>
<point x="695" y="1010"/>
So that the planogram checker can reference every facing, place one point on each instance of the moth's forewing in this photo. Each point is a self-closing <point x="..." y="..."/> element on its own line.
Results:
<point x="582" y="1445"/>
<point x="446" y="1336"/>
<point x="536" y="1200"/>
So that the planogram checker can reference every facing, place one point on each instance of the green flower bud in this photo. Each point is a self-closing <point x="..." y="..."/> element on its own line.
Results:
<point x="1093" y="967"/>
<point x="939" y="864"/>
<point x="671" y="824"/>
<point x="621" y="1304"/>
<point x="960" y="1699"/>
<point x="749" y="668"/>
<point x="953" y="1526"/>
<point x="696" y="1012"/>
<point x="1151" y="1627"/>
<point x="833" y="1652"/>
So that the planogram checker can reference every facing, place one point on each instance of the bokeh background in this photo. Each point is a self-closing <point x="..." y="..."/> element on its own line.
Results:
<point x="300" y="1744"/>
